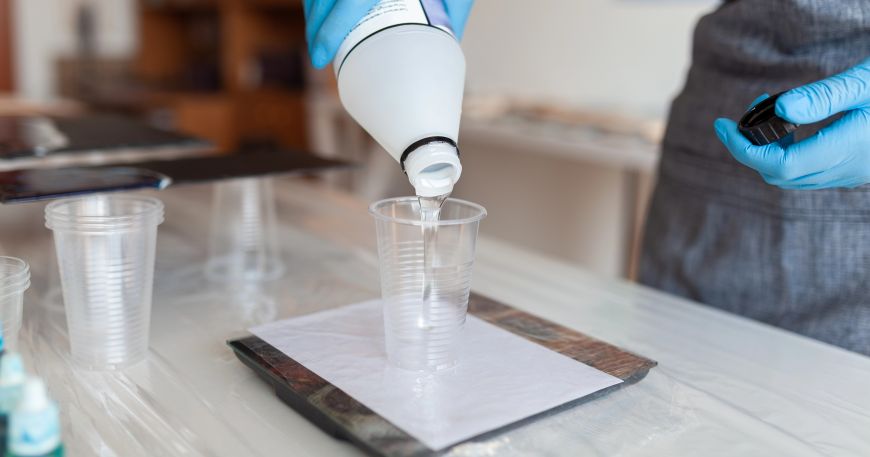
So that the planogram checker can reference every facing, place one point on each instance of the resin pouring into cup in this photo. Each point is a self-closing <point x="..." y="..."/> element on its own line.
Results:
<point x="425" y="291"/>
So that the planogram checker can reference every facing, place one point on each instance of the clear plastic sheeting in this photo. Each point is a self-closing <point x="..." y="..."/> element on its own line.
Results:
<point x="652" y="412"/>
<point x="724" y="385"/>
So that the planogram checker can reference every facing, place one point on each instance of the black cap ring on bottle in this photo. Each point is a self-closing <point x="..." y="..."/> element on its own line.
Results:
<point x="430" y="139"/>
<point x="762" y="126"/>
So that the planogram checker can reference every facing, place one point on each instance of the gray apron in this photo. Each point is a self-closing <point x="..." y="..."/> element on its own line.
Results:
<point x="716" y="232"/>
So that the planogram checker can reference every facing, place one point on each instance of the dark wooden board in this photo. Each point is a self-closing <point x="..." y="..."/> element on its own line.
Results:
<point x="20" y="186"/>
<point x="343" y="417"/>
<point x="88" y="134"/>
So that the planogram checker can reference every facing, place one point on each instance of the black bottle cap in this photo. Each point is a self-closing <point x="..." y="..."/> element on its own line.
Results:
<point x="762" y="126"/>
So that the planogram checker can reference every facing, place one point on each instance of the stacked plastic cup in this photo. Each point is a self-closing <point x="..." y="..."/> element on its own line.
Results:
<point x="425" y="285"/>
<point x="242" y="246"/>
<point x="14" y="280"/>
<point x="105" y="251"/>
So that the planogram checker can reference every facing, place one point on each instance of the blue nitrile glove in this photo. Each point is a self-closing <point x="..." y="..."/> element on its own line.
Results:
<point x="327" y="22"/>
<point x="836" y="156"/>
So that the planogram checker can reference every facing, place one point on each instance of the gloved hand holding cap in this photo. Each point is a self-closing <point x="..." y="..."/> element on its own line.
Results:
<point x="837" y="156"/>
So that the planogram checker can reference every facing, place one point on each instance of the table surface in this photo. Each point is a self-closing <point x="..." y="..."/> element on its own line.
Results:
<point x="724" y="385"/>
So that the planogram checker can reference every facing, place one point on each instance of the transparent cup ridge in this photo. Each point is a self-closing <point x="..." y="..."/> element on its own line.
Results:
<point x="14" y="275"/>
<point x="406" y="211"/>
<point x="14" y="280"/>
<point x="100" y="213"/>
<point x="105" y="251"/>
<point x="425" y="335"/>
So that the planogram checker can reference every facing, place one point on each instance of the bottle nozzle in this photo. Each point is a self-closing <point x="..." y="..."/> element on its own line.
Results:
<point x="34" y="397"/>
<point x="433" y="168"/>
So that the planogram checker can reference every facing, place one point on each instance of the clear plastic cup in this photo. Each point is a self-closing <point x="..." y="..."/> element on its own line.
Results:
<point x="423" y="335"/>
<point x="14" y="280"/>
<point x="105" y="251"/>
<point x="243" y="245"/>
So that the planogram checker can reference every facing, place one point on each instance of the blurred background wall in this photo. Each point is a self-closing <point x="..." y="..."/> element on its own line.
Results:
<point x="621" y="58"/>
<point x="622" y="54"/>
<point x="45" y="30"/>
<point x="565" y="99"/>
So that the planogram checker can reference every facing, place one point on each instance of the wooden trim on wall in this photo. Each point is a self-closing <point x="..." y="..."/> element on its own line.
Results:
<point x="7" y="78"/>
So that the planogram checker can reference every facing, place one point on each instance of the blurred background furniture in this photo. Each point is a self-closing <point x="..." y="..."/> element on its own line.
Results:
<point x="229" y="71"/>
<point x="6" y="84"/>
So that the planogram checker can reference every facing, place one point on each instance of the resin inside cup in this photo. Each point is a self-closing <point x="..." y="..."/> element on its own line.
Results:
<point x="425" y="283"/>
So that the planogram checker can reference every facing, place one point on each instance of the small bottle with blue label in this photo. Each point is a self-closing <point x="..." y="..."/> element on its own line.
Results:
<point x="12" y="379"/>
<point x="34" y="426"/>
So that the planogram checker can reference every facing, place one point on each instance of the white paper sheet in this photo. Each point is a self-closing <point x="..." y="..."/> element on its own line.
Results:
<point x="500" y="378"/>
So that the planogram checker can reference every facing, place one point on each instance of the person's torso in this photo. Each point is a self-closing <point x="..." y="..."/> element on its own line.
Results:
<point x="741" y="50"/>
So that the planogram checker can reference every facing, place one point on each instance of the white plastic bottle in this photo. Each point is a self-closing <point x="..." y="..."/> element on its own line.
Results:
<point x="34" y="427"/>
<point x="401" y="75"/>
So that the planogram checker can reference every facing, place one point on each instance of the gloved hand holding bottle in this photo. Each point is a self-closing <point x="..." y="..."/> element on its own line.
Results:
<point x="327" y="23"/>
<point x="837" y="156"/>
<point x="401" y="76"/>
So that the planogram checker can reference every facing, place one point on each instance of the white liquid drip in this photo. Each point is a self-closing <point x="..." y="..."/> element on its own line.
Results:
<point x="430" y="212"/>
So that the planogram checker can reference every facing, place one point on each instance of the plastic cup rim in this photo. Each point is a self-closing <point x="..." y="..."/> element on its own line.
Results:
<point x="373" y="210"/>
<point x="152" y="215"/>
<point x="18" y="281"/>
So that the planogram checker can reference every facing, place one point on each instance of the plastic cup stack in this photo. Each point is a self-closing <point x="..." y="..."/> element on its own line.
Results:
<point x="424" y="335"/>
<point x="243" y="246"/>
<point x="105" y="250"/>
<point x="14" y="280"/>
